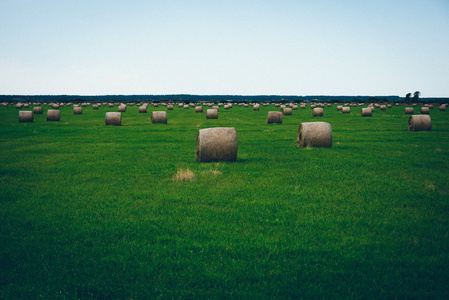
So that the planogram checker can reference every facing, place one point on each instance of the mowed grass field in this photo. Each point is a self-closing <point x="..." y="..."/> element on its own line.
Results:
<point x="91" y="211"/>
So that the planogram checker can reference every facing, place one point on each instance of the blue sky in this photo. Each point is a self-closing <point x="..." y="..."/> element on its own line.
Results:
<point x="245" y="47"/>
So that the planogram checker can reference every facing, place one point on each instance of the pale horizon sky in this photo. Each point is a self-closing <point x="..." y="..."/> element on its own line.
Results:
<point x="246" y="47"/>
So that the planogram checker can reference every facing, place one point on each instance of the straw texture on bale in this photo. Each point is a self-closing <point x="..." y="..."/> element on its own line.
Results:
<point x="409" y="111"/>
<point x="303" y="106"/>
<point x="96" y="106"/>
<point x="346" y="110"/>
<point x="419" y="123"/>
<point x="170" y="107"/>
<point x="367" y="112"/>
<point x="159" y="117"/>
<point x="442" y="108"/>
<point x="256" y="107"/>
<point x="315" y="134"/>
<point x="25" y="116"/>
<point x="216" y="144"/>
<point x="53" y="115"/>
<point x="425" y="110"/>
<point x="339" y="107"/>
<point x="287" y="111"/>
<point x="113" y="118"/>
<point x="383" y="107"/>
<point x="77" y="110"/>
<point x="317" y="112"/>
<point x="38" y="110"/>
<point x="198" y="109"/>
<point x="212" y="113"/>
<point x="142" y="109"/>
<point x="274" y="117"/>
<point x="122" y="108"/>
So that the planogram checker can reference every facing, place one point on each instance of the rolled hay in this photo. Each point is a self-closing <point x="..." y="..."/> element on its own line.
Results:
<point x="212" y="113"/>
<point x="419" y="123"/>
<point x="442" y="108"/>
<point x="159" y="117"/>
<point x="317" y="112"/>
<point x="287" y="111"/>
<point x="339" y="107"/>
<point x="186" y="106"/>
<point x="274" y="117"/>
<point x="256" y="107"/>
<point x="25" y="116"/>
<point x="295" y="107"/>
<point x="122" y="108"/>
<point x="77" y="110"/>
<point x="346" y="110"/>
<point x="216" y="107"/>
<point x="367" y="112"/>
<point x="216" y="144"/>
<point x="19" y="105"/>
<point x="38" y="110"/>
<point x="198" y="109"/>
<point x="425" y="110"/>
<point x="383" y="107"/>
<point x="53" y="115"/>
<point x="96" y="106"/>
<point x="409" y="111"/>
<point x="303" y="106"/>
<point x="315" y="134"/>
<point x="113" y="118"/>
<point x="170" y="107"/>
<point x="142" y="109"/>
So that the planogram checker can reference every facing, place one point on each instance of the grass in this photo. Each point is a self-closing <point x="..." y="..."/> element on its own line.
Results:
<point x="111" y="212"/>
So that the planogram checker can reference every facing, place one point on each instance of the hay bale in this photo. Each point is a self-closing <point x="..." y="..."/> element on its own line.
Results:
<point x="170" y="107"/>
<point x="53" y="115"/>
<point x="122" y="108"/>
<point x="19" y="105"/>
<point x="77" y="110"/>
<point x="442" y="108"/>
<point x="143" y="109"/>
<point x="159" y="117"/>
<point x="315" y="134"/>
<point x="212" y="113"/>
<point x="409" y="111"/>
<point x="302" y="106"/>
<point x="367" y="112"/>
<point x="383" y="107"/>
<point x="216" y="144"/>
<point x="317" y="112"/>
<point x="25" y="116"/>
<point x="113" y="118"/>
<point x="425" y="110"/>
<point x="96" y="106"/>
<point x="256" y="107"/>
<point x="346" y="110"/>
<point x="186" y="106"/>
<point x="339" y="107"/>
<point x="274" y="117"/>
<point x="198" y="109"/>
<point x="38" y="110"/>
<point x="419" y="123"/>
<point x="287" y="111"/>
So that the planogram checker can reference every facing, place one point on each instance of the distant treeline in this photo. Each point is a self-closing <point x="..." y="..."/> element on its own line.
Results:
<point x="206" y="98"/>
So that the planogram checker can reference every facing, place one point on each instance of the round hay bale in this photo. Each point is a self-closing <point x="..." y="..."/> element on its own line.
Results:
<point x="122" y="108"/>
<point x="170" y="107"/>
<point x="212" y="113"/>
<point x="419" y="123"/>
<point x="38" y="110"/>
<point x="383" y="107"/>
<point x="315" y="134"/>
<point x="198" y="109"/>
<point x="186" y="106"/>
<point x="287" y="111"/>
<point x="256" y="107"/>
<point x="142" y="109"/>
<point x="346" y="110"/>
<point x="274" y="117"/>
<point x="317" y="112"/>
<point x="409" y="111"/>
<point x="425" y="110"/>
<point x="367" y="112"/>
<point x="442" y="108"/>
<point x="216" y="144"/>
<point x="19" y="105"/>
<point x="216" y="107"/>
<point x="159" y="117"/>
<point x="96" y="106"/>
<point x="77" y="110"/>
<point x="339" y="107"/>
<point x="53" y="115"/>
<point x="113" y="118"/>
<point x="25" y="116"/>
<point x="302" y="106"/>
<point x="295" y="107"/>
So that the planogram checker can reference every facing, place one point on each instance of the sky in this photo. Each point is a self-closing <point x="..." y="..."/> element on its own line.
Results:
<point x="245" y="47"/>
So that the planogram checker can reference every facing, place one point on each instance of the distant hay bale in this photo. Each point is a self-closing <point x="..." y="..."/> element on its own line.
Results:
<point x="425" y="110"/>
<point x="113" y="118"/>
<point x="317" y="112"/>
<point x="25" y="116"/>
<point x="287" y="111"/>
<point x="315" y="134"/>
<point x="216" y="107"/>
<point x="143" y="109"/>
<point x="256" y="107"/>
<point x="53" y="115"/>
<point x="302" y="106"/>
<point x="312" y="106"/>
<point x="122" y="108"/>
<point x="367" y="112"/>
<point x="38" y="110"/>
<point x="216" y="144"/>
<point x="77" y="110"/>
<point x="442" y="108"/>
<point x="186" y="106"/>
<point x="170" y="107"/>
<point x="388" y="105"/>
<point x="19" y="105"/>
<point x="212" y="113"/>
<point x="419" y="123"/>
<point x="383" y="107"/>
<point x="274" y="117"/>
<point x="295" y="107"/>
<point x="159" y="117"/>
<point x="198" y="109"/>
<point x="339" y="107"/>
<point x="96" y="106"/>
<point x="346" y="110"/>
<point x="409" y="111"/>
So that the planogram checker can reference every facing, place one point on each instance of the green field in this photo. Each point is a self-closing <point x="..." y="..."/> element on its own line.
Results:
<point x="95" y="212"/>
